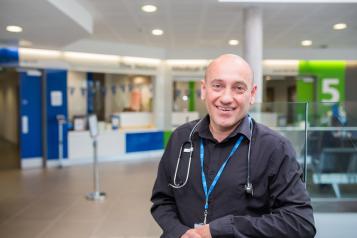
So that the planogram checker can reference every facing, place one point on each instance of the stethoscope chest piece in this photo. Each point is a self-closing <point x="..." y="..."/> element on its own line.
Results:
<point x="249" y="189"/>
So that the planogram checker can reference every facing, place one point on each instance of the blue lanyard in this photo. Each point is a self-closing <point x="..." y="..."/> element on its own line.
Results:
<point x="218" y="175"/>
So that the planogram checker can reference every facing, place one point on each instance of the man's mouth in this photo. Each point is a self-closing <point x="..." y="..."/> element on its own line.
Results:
<point x="225" y="109"/>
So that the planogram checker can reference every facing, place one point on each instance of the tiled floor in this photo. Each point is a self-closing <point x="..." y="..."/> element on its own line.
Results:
<point x="36" y="203"/>
<point x="51" y="203"/>
<point x="9" y="155"/>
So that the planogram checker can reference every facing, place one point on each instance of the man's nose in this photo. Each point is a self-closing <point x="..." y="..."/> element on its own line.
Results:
<point x="227" y="96"/>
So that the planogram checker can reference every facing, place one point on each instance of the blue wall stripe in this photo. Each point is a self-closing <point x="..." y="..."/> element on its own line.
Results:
<point x="144" y="141"/>
<point x="56" y="80"/>
<point x="9" y="56"/>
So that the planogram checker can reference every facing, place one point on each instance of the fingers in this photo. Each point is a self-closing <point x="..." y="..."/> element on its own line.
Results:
<point x="191" y="234"/>
<point x="204" y="231"/>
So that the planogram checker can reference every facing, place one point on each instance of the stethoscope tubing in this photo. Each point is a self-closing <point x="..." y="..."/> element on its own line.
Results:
<point x="177" y="185"/>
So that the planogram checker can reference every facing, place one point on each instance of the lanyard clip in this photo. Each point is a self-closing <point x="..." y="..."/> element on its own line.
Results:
<point x="205" y="217"/>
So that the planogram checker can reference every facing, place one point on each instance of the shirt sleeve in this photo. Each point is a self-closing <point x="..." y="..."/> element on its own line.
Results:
<point x="164" y="209"/>
<point x="291" y="212"/>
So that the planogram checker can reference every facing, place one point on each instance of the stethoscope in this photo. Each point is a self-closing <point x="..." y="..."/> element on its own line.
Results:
<point x="187" y="147"/>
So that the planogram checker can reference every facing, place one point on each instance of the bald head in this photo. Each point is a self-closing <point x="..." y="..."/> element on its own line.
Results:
<point x="232" y="61"/>
<point x="228" y="91"/>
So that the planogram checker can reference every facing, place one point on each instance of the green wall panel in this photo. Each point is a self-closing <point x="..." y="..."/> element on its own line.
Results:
<point x="191" y="99"/>
<point x="320" y="81"/>
<point x="167" y="135"/>
<point x="330" y="81"/>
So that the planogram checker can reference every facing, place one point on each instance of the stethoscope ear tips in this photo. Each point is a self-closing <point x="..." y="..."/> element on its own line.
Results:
<point x="248" y="189"/>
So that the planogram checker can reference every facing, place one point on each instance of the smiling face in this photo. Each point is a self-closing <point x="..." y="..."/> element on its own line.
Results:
<point x="228" y="92"/>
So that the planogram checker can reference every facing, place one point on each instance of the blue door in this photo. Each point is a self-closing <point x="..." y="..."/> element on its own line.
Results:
<point x="56" y="105"/>
<point x="30" y="115"/>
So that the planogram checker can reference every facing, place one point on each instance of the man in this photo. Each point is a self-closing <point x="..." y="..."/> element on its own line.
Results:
<point x="215" y="199"/>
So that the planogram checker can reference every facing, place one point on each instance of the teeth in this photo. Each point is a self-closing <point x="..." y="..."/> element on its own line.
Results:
<point x="225" y="108"/>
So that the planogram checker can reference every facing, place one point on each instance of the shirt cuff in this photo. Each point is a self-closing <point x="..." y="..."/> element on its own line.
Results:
<point x="222" y="227"/>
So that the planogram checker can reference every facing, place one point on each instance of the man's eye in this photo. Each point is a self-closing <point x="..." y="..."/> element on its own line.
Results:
<point x="239" y="89"/>
<point x="216" y="86"/>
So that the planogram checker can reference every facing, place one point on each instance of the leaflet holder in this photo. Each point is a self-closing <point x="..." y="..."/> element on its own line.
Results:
<point x="93" y="131"/>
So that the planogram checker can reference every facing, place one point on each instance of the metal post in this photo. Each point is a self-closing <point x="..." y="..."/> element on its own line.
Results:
<point x="97" y="195"/>
<point x="95" y="169"/>
<point x="61" y="121"/>
<point x="305" y="154"/>
<point x="60" y="144"/>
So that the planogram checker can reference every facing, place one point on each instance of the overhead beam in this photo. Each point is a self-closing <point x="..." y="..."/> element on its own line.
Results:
<point x="76" y="12"/>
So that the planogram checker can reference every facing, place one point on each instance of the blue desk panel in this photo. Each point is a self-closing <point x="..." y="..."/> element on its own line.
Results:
<point x="144" y="141"/>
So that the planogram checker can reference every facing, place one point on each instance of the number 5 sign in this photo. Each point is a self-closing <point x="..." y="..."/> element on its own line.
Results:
<point x="330" y="90"/>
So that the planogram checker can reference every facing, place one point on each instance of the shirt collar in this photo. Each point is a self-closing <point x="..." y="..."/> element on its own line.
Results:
<point x="204" y="132"/>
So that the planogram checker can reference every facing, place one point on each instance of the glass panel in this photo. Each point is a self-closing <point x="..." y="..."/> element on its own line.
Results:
<point x="331" y="143"/>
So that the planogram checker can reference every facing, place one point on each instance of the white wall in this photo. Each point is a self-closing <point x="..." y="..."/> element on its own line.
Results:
<point x="77" y="102"/>
<point x="9" y="106"/>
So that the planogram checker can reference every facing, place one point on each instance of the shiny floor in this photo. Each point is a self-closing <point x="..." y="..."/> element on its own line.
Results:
<point x="9" y="158"/>
<point x="50" y="203"/>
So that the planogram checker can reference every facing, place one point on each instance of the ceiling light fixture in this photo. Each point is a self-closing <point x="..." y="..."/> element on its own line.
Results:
<point x="14" y="29"/>
<point x="140" y="60"/>
<point x="157" y="32"/>
<point x="90" y="56"/>
<point x="306" y="42"/>
<point x="149" y="8"/>
<point x="187" y="62"/>
<point x="233" y="42"/>
<point x="38" y="53"/>
<point x="340" y="26"/>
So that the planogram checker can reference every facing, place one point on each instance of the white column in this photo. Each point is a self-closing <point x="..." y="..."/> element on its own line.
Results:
<point x="253" y="45"/>
<point x="163" y="98"/>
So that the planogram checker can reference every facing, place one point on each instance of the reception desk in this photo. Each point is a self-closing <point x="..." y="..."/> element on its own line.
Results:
<point x="116" y="145"/>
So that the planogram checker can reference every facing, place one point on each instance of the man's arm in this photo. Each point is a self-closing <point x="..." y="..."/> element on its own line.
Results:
<point x="164" y="208"/>
<point x="291" y="212"/>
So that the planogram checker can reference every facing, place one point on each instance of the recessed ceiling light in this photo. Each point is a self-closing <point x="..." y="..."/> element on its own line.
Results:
<point x="149" y="8"/>
<point x="14" y="28"/>
<point x="157" y="32"/>
<point x="233" y="42"/>
<point x="339" y="26"/>
<point x="306" y="42"/>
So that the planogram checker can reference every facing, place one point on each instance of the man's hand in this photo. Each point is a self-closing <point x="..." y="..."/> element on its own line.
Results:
<point x="199" y="232"/>
<point x="204" y="231"/>
<point x="191" y="233"/>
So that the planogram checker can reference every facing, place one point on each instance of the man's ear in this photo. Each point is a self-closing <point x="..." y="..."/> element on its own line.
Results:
<point x="203" y="89"/>
<point x="252" y="94"/>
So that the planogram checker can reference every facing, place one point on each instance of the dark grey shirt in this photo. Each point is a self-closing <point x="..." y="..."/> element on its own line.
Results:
<point x="280" y="206"/>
